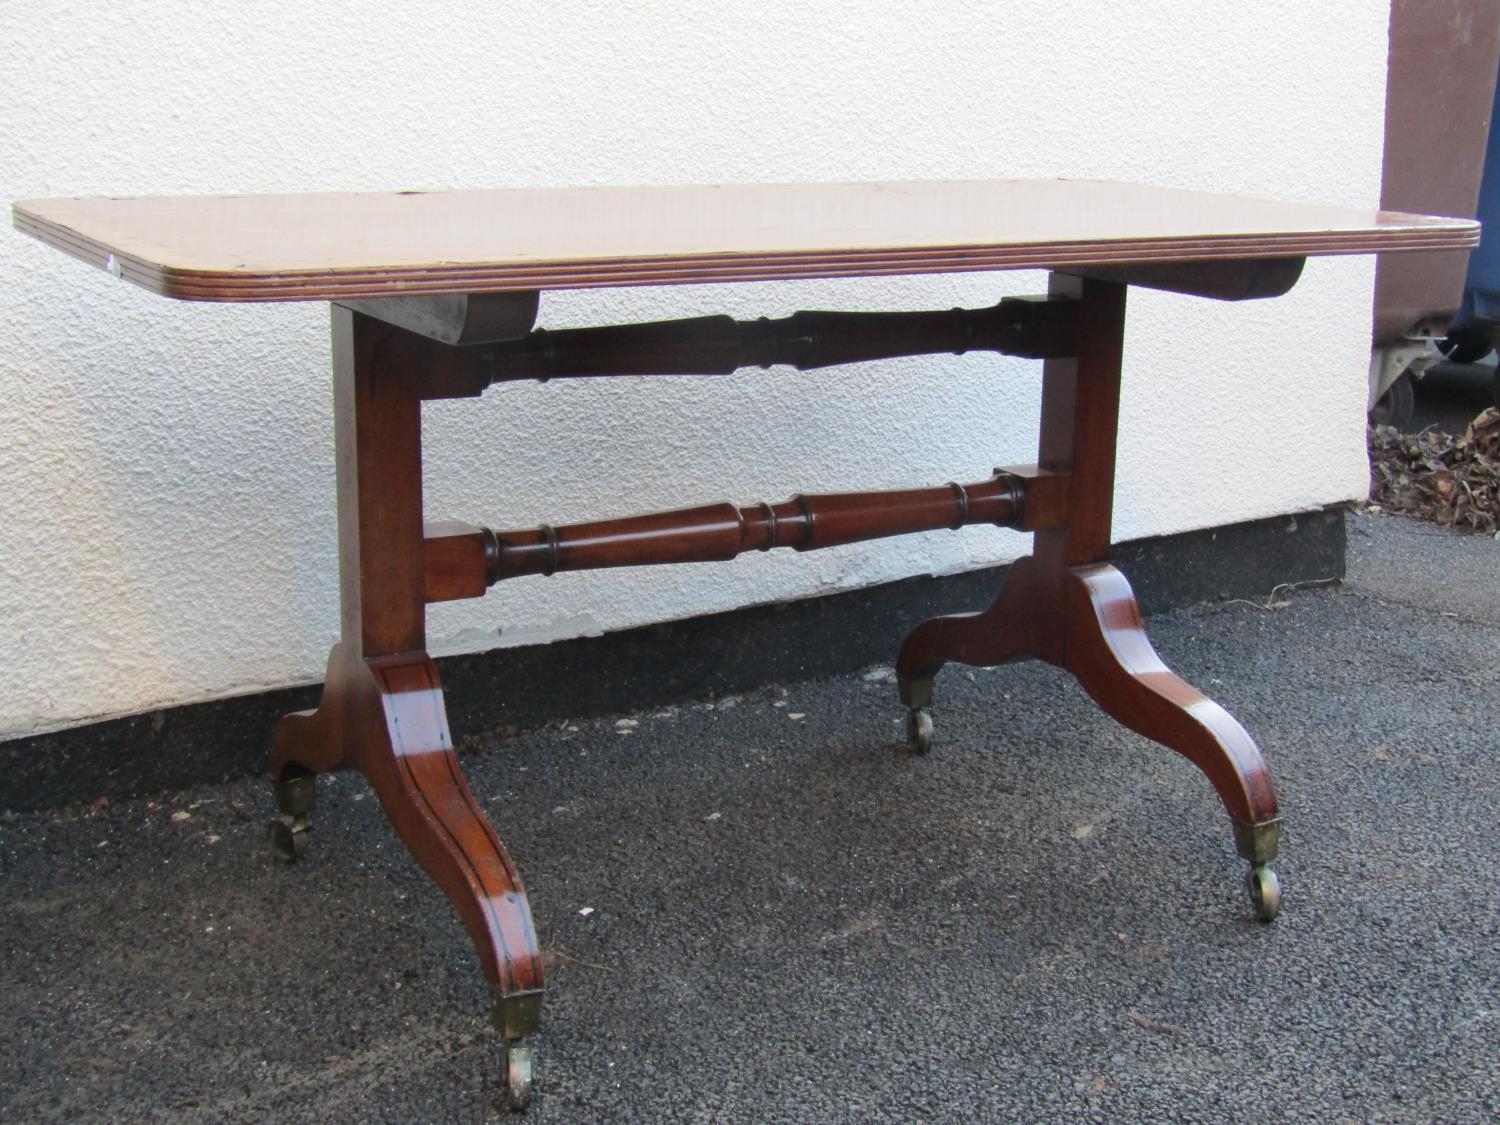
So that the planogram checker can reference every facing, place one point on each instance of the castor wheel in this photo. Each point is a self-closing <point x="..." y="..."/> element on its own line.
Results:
<point x="288" y="838"/>
<point x="919" y="729"/>
<point x="1265" y="893"/>
<point x="296" y="791"/>
<point x="518" y="1082"/>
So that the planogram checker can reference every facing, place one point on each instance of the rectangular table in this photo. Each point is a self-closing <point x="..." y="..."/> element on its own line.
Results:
<point x="435" y="296"/>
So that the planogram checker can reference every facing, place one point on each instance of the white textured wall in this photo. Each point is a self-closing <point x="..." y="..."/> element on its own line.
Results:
<point x="166" y="472"/>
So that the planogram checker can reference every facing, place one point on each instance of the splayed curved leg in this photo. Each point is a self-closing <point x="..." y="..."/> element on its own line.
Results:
<point x="406" y="752"/>
<point x="1108" y="651"/>
<point x="385" y="716"/>
<point x="1086" y="620"/>
<point x="306" y="743"/>
<point x="1014" y="626"/>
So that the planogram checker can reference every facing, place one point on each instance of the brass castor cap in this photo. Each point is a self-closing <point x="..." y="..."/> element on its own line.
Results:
<point x="919" y="729"/>
<point x="296" y="792"/>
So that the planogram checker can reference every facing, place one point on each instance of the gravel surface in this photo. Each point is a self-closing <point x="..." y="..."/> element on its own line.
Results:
<point x="766" y="910"/>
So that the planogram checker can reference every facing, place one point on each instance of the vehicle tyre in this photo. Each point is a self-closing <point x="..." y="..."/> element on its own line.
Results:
<point x="1396" y="406"/>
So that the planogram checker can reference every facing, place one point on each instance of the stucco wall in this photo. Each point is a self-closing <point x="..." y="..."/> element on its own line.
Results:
<point x="166" y="472"/>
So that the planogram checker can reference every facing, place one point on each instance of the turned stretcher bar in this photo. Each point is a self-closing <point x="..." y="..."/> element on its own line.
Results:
<point x="1029" y="327"/>
<point x="462" y="560"/>
<point x="1035" y="328"/>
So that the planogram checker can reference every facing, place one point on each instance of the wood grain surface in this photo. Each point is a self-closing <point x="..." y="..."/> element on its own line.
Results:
<point x="353" y="245"/>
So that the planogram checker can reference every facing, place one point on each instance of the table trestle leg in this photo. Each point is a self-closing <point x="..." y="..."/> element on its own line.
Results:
<point x="382" y="709"/>
<point x="1066" y="605"/>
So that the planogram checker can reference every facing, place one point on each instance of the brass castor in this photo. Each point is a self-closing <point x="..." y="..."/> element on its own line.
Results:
<point x="288" y="838"/>
<point x="295" y="795"/>
<point x="1265" y="893"/>
<point x="518" y="1081"/>
<point x="919" y="729"/>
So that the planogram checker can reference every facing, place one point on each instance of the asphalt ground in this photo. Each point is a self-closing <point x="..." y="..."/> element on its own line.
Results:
<point x="766" y="910"/>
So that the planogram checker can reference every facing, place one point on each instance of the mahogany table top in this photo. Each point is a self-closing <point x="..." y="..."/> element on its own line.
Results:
<point x="348" y="245"/>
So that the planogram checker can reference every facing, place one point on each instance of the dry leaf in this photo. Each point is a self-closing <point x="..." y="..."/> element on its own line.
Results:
<point x="1451" y="481"/>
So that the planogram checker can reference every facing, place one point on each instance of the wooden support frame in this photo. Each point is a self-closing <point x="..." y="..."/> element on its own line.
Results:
<point x="1067" y="605"/>
<point x="382" y="710"/>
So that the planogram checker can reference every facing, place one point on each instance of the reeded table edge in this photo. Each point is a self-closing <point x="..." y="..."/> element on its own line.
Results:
<point x="1417" y="233"/>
